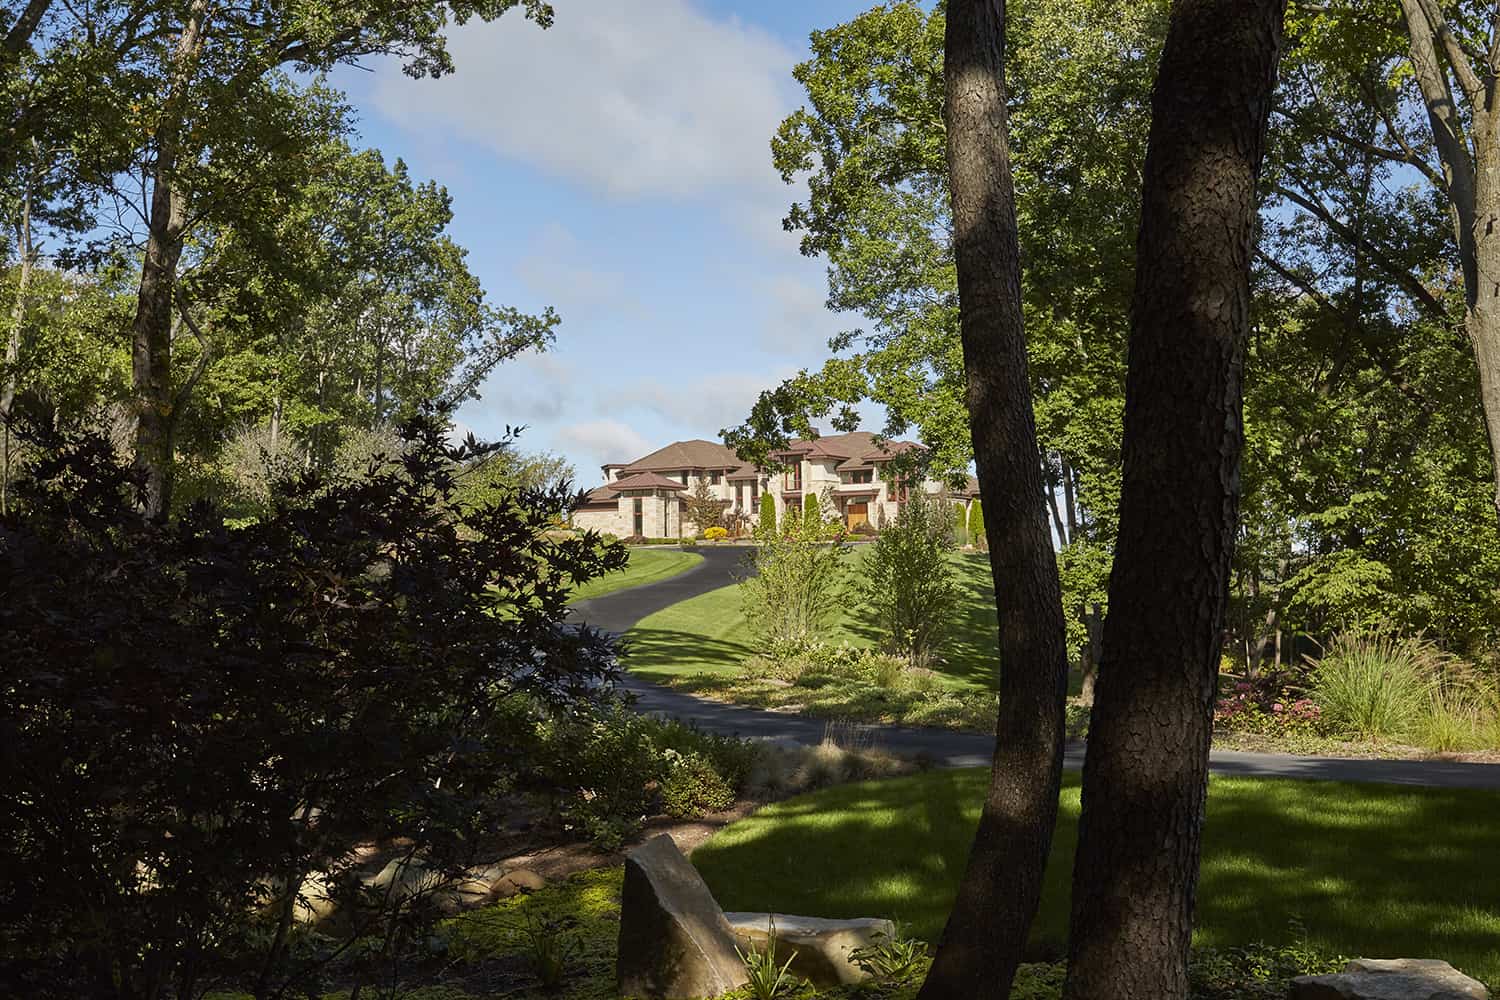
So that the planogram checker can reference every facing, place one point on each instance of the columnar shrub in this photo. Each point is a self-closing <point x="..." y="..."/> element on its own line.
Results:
<point x="977" y="537"/>
<point x="909" y="583"/>
<point x="796" y="587"/>
<point x="767" y="525"/>
<point x="960" y="526"/>
<point x="812" y="514"/>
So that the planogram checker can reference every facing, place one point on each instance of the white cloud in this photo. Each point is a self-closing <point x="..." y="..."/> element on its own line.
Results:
<point x="698" y="407"/>
<point x="796" y="317"/>
<point x="531" y="387"/>
<point x="557" y="267"/>
<point x="649" y="97"/>
<point x="603" y="441"/>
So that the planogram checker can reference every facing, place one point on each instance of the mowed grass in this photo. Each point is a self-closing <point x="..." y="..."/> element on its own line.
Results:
<point x="709" y="636"/>
<point x="1378" y="871"/>
<point x="645" y="566"/>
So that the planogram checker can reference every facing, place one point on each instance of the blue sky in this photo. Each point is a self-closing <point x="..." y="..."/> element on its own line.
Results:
<point x="617" y="167"/>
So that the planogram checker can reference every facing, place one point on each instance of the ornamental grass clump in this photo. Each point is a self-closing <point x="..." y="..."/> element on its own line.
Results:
<point x="1377" y="686"/>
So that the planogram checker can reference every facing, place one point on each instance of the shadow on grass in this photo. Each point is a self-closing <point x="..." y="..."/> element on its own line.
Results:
<point x="1373" y="870"/>
<point x="658" y="651"/>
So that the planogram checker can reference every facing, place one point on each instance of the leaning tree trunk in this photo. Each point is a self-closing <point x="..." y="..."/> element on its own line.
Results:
<point x="1482" y="308"/>
<point x="154" y="403"/>
<point x="1146" y="771"/>
<point x="997" y="898"/>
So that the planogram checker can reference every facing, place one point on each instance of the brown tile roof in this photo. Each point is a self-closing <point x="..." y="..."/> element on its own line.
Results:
<point x="695" y="454"/>
<point x="745" y="472"/>
<point x="645" y="481"/>
<point x="877" y="453"/>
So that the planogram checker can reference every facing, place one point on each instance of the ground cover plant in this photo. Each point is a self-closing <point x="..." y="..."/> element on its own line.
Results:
<point x="644" y="566"/>
<point x="1365" y="869"/>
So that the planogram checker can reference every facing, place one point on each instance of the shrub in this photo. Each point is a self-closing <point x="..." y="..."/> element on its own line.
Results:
<point x="199" y="718"/>
<point x="715" y="533"/>
<point x="960" y="526"/>
<point x="693" y="787"/>
<point x="977" y="537"/>
<point x="909" y="583"/>
<point x="1462" y="712"/>
<point x="767" y="526"/>
<point x="795" y="589"/>
<point x="1374" y="685"/>
<point x="1268" y="705"/>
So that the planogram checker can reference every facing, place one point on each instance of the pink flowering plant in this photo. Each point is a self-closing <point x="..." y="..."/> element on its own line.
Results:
<point x="1268" y="705"/>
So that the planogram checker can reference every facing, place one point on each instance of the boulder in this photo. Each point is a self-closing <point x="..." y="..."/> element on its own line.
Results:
<point x="1391" y="979"/>
<point x="822" y="947"/>
<point x="674" y="940"/>
<point x="518" y="882"/>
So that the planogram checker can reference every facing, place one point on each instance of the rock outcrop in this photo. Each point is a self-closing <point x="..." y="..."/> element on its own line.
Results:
<point x="674" y="940"/>
<point x="822" y="946"/>
<point x="1391" y="979"/>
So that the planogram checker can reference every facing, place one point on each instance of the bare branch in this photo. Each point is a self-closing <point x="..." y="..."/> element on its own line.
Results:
<point x="204" y="358"/>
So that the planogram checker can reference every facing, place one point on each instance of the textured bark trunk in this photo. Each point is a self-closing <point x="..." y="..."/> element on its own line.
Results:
<point x="151" y="332"/>
<point x="1482" y="299"/>
<point x="997" y="897"/>
<point x="19" y="35"/>
<point x="1145" y="775"/>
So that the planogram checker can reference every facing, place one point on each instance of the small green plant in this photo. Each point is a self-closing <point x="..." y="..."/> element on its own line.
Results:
<point x="892" y="958"/>
<point x="766" y="979"/>
<point x="549" y="943"/>
<point x="693" y="787"/>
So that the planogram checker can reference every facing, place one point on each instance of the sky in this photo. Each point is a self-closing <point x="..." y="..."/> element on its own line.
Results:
<point x="617" y="167"/>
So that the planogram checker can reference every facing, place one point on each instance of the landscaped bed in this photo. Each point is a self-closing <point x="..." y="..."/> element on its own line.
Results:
<point x="1295" y="874"/>
<point x="645" y="566"/>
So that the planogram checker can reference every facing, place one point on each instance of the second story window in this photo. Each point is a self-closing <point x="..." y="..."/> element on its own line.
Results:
<point x="794" y="477"/>
<point x="714" y="478"/>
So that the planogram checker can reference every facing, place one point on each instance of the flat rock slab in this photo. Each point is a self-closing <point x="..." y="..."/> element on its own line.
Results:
<point x="674" y="941"/>
<point x="822" y="946"/>
<point x="1391" y="979"/>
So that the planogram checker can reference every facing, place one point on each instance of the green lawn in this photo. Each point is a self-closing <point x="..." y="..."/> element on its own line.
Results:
<point x="1373" y="870"/>
<point x="645" y="566"/>
<point x="708" y="635"/>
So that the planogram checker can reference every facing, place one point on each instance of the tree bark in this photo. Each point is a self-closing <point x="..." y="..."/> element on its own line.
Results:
<point x="1145" y="774"/>
<point x="18" y="36"/>
<point x="19" y="312"/>
<point x="998" y="895"/>
<point x="151" y="332"/>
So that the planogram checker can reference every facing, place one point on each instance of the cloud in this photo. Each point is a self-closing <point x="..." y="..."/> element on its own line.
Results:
<point x="698" y="407"/>
<point x="557" y="267"/>
<point x="796" y="317"/>
<point x="604" y="441"/>
<point x="531" y="387"/>
<point x="650" y="97"/>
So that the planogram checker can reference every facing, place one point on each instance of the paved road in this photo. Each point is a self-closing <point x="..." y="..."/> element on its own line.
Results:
<point x="721" y="566"/>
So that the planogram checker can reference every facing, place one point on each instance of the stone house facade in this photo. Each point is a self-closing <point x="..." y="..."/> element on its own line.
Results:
<point x="851" y="475"/>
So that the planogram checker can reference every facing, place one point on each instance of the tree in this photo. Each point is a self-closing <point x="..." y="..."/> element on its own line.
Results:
<point x="960" y="526"/>
<point x="221" y="120"/>
<point x="1146" y="773"/>
<point x="767" y="525"/>
<point x="908" y="581"/>
<point x="984" y="939"/>
<point x="795" y="589"/>
<point x="199" y="719"/>
<point x="812" y="514"/>
<point x="703" y="508"/>
<point x="977" y="536"/>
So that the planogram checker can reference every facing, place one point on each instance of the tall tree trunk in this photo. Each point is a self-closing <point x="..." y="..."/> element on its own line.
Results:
<point x="1482" y="297"/>
<point x="151" y="332"/>
<point x="997" y="897"/>
<point x="1146" y="771"/>
<point x="18" y="316"/>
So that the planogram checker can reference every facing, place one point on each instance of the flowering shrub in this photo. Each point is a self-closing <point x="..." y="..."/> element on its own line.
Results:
<point x="715" y="533"/>
<point x="1268" y="706"/>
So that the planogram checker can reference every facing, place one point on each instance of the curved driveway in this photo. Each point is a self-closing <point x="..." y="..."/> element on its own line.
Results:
<point x="721" y="566"/>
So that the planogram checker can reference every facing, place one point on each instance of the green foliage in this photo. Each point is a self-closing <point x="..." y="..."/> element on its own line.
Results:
<point x="796" y="587"/>
<point x="767" y="980"/>
<point x="892" y="959"/>
<point x="960" y="526"/>
<point x="199" y="718"/>
<point x="766" y="527"/>
<point x="908" y="581"/>
<point x="812" y="515"/>
<point x="693" y="787"/>
<point x="977" y="537"/>
<point x="1377" y="685"/>
<point x="702" y="507"/>
<point x="549" y="943"/>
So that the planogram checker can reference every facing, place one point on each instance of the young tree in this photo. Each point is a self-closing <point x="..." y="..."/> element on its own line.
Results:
<point x="998" y="894"/>
<point x="977" y="536"/>
<point x="908" y="581"/>
<point x="795" y="588"/>
<point x="1145" y="776"/>
<point x="812" y="515"/>
<point x="703" y="508"/>
<point x="767" y="525"/>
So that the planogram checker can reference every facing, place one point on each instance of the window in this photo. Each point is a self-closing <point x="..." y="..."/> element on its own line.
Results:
<point x="861" y="476"/>
<point x="754" y="490"/>
<point x="684" y="477"/>
<point x="793" y="478"/>
<point x="715" y="477"/>
<point x="739" y="496"/>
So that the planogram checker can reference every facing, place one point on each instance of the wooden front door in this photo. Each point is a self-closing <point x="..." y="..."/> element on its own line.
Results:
<point x="857" y="514"/>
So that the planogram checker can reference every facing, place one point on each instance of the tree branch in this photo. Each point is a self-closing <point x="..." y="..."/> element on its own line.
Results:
<point x="204" y="358"/>
<point x="1381" y="259"/>
<point x="19" y="35"/>
<point x="1458" y="57"/>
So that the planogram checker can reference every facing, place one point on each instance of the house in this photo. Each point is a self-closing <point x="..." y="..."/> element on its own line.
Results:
<point x="850" y="474"/>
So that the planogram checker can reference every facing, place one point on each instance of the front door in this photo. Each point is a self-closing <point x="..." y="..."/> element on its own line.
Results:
<point x="858" y="513"/>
